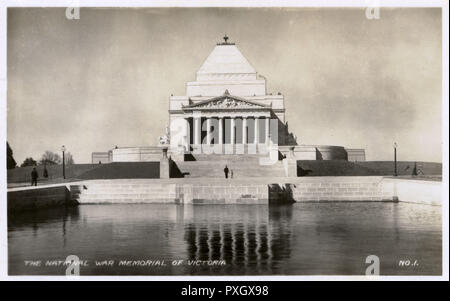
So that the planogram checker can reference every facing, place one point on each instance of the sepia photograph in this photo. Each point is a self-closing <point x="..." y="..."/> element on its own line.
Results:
<point x="212" y="140"/>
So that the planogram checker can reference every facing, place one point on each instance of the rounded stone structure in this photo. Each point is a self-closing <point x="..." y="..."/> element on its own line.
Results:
<point x="300" y="152"/>
<point x="136" y="154"/>
<point x="144" y="154"/>
<point x="331" y="152"/>
<point x="315" y="152"/>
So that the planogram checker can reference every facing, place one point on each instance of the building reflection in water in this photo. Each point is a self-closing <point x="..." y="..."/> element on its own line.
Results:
<point x="255" y="237"/>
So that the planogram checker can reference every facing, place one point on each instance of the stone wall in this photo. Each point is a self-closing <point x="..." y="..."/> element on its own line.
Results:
<point x="116" y="191"/>
<point x="35" y="198"/>
<point x="331" y="152"/>
<point x="136" y="154"/>
<point x="124" y="191"/>
<point x="288" y="190"/>
<point x="100" y="157"/>
<point x="236" y="192"/>
<point x="224" y="193"/>
<point x="356" y="154"/>
<point x="340" y="189"/>
<point x="414" y="191"/>
<point x="301" y="152"/>
<point x="316" y="152"/>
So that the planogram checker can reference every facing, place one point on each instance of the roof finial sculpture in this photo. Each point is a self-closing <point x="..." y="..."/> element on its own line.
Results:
<point x="225" y="38"/>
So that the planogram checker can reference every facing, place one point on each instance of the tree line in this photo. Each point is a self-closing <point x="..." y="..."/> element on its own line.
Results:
<point x="47" y="158"/>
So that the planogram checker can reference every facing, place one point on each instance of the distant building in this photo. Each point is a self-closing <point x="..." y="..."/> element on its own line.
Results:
<point x="101" y="157"/>
<point x="356" y="154"/>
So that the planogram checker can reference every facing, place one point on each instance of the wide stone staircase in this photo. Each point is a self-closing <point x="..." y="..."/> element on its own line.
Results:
<point x="243" y="166"/>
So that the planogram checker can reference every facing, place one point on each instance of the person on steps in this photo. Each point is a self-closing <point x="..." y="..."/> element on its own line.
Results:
<point x="225" y="170"/>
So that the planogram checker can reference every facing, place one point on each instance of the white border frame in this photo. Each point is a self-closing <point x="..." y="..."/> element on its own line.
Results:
<point x="229" y="3"/>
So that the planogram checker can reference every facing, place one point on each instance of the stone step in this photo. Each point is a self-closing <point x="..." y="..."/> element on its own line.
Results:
<point x="219" y="168"/>
<point x="243" y="163"/>
<point x="240" y="169"/>
<point x="228" y="157"/>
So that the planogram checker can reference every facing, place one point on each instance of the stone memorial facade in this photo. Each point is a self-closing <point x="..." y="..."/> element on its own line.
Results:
<point x="227" y="110"/>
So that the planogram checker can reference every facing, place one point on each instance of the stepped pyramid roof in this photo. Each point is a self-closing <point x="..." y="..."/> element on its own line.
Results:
<point x="226" y="59"/>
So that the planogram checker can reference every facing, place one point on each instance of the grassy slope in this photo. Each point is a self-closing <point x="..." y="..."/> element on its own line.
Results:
<point x="331" y="168"/>
<point x="368" y="168"/>
<point x="117" y="170"/>
<point x="23" y="174"/>
<point x="124" y="170"/>
<point x="151" y="170"/>
<point x="403" y="167"/>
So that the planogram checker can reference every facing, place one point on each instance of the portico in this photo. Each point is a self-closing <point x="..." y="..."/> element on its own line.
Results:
<point x="227" y="119"/>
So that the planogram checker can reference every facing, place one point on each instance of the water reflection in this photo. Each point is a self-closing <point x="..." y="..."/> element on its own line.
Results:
<point x="44" y="219"/>
<point x="262" y="237"/>
<point x="300" y="239"/>
<point x="38" y="218"/>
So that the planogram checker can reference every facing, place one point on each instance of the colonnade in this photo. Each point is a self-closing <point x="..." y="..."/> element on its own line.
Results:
<point x="232" y="130"/>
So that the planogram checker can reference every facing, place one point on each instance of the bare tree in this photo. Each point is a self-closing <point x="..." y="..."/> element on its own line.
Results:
<point x="68" y="158"/>
<point x="50" y="158"/>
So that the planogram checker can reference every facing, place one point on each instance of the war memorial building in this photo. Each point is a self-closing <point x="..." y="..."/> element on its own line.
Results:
<point x="227" y="110"/>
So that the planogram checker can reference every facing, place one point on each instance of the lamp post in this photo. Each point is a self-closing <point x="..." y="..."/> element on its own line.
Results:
<point x="63" y="149"/>
<point x="395" y="159"/>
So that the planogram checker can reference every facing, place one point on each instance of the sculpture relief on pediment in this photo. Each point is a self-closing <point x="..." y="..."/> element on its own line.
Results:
<point x="227" y="103"/>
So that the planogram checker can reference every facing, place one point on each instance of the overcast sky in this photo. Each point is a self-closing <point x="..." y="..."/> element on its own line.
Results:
<point x="105" y="79"/>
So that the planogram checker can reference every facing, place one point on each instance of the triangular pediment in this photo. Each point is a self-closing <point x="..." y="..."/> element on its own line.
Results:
<point x="225" y="102"/>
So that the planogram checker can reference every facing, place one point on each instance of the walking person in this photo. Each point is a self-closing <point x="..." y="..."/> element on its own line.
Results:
<point x="231" y="173"/>
<point x="34" y="177"/>
<point x="225" y="170"/>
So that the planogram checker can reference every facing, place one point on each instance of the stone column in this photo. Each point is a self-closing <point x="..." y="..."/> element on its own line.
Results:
<point x="244" y="130"/>
<point x="208" y="131"/>
<point x="256" y="130"/>
<point x="232" y="131"/>
<point x="187" y="140"/>
<point x="197" y="130"/>
<point x="220" y="130"/>
<point x="267" y="130"/>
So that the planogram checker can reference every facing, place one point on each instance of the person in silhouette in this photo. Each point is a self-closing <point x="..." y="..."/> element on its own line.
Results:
<point x="45" y="172"/>
<point x="414" y="172"/>
<point x="34" y="177"/>
<point x="225" y="170"/>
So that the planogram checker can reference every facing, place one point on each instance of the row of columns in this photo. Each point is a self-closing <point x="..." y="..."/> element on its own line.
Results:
<point x="197" y="130"/>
